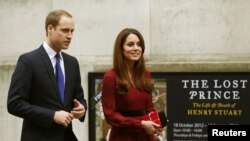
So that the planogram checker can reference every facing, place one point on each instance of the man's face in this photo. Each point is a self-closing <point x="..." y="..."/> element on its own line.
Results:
<point x="61" y="35"/>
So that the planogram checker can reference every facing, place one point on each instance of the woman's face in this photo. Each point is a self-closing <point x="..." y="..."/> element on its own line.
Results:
<point x="132" y="49"/>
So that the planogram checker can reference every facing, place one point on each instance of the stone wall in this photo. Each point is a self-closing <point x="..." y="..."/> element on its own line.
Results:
<point x="180" y="35"/>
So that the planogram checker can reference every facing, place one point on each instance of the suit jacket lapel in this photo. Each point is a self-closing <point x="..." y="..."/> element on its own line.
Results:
<point x="67" y="74"/>
<point x="48" y="64"/>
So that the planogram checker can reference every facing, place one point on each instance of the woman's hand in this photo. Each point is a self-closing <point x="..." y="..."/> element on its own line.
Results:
<point x="150" y="127"/>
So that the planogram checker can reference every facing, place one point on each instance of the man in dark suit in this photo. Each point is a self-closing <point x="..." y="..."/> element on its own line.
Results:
<point x="34" y="95"/>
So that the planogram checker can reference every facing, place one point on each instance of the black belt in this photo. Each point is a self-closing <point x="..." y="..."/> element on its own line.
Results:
<point x="134" y="113"/>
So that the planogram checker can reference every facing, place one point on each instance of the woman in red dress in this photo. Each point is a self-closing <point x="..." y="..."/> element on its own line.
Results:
<point x="127" y="91"/>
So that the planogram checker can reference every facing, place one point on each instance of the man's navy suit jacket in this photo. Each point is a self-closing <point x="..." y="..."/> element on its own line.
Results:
<point x="34" y="95"/>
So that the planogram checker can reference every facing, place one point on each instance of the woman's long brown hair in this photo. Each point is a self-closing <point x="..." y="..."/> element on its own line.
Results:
<point x="120" y="67"/>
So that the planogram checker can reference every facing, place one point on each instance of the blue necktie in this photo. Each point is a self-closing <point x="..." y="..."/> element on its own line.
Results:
<point x="59" y="77"/>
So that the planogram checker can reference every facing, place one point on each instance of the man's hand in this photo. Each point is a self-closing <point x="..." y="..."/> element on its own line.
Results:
<point x="79" y="110"/>
<point x="63" y="118"/>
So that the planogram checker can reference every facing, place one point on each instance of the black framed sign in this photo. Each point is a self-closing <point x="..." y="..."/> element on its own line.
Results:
<point x="192" y="101"/>
<point x="196" y="100"/>
<point x="96" y="117"/>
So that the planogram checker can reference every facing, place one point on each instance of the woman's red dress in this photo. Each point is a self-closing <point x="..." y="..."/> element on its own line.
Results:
<point x="125" y="128"/>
